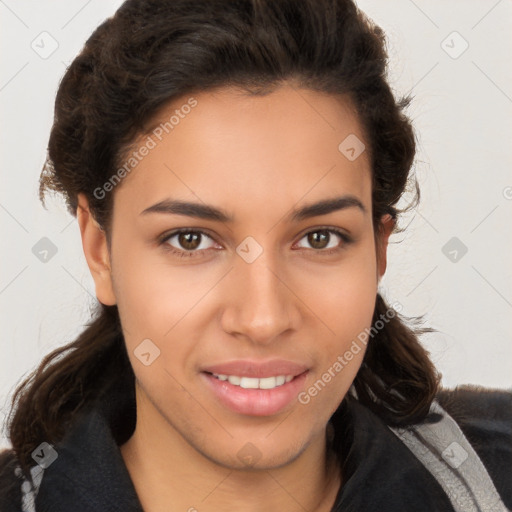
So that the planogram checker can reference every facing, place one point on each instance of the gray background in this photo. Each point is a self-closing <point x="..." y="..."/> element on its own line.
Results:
<point x="462" y="115"/>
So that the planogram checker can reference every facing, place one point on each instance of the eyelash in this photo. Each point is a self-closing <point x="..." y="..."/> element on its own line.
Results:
<point x="194" y="254"/>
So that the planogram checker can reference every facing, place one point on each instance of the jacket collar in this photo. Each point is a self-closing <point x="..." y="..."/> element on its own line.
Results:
<point x="380" y="472"/>
<point x="89" y="473"/>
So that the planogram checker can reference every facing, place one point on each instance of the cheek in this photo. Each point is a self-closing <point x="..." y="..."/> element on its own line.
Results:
<point x="348" y="312"/>
<point x="152" y="295"/>
<point x="160" y="302"/>
<point x="344" y="300"/>
<point x="344" y="295"/>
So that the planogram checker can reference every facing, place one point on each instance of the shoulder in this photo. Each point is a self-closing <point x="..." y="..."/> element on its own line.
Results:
<point x="477" y="401"/>
<point x="485" y="417"/>
<point x="10" y="482"/>
<point x="483" y="414"/>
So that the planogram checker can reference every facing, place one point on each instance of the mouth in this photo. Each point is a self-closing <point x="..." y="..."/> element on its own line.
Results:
<point x="255" y="396"/>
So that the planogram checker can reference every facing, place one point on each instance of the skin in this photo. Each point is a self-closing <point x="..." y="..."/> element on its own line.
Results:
<point x="257" y="158"/>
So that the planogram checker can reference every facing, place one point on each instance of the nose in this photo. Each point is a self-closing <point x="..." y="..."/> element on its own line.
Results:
<point x="260" y="304"/>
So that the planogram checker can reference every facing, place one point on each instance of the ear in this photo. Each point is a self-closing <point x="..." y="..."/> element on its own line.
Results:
<point x="387" y="224"/>
<point x="94" y="243"/>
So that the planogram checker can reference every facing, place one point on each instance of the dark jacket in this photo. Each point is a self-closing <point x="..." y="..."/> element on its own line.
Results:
<point x="380" y="471"/>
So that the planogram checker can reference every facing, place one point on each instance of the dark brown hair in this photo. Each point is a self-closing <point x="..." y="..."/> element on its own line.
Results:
<point x="147" y="54"/>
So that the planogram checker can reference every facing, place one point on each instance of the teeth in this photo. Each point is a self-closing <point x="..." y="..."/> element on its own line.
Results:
<point x="268" y="383"/>
<point x="233" y="379"/>
<point x="254" y="383"/>
<point x="247" y="382"/>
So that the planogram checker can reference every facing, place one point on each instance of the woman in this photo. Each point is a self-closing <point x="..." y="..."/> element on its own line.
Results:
<point x="235" y="169"/>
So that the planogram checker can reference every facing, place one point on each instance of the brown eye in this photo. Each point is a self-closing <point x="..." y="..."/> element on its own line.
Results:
<point x="325" y="239"/>
<point x="318" y="239"/>
<point x="187" y="242"/>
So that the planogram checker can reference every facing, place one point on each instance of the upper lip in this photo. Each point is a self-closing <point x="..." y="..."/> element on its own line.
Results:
<point x="257" y="369"/>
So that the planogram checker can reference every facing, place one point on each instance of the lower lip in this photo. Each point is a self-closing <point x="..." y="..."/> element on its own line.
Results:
<point x="255" y="402"/>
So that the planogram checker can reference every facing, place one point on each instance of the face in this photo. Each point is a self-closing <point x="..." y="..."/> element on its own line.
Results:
<point x="263" y="295"/>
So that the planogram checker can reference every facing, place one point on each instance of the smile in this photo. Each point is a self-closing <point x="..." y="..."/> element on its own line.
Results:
<point x="253" y="396"/>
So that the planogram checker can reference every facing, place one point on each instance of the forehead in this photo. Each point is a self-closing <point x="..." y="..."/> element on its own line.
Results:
<point x="239" y="150"/>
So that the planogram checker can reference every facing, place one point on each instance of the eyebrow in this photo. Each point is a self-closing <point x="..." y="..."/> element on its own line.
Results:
<point x="208" y="212"/>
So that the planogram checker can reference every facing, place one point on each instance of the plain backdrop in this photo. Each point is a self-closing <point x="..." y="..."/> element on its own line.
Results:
<point x="452" y="265"/>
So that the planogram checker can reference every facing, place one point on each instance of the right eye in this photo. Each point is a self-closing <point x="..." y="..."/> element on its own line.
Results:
<point x="191" y="242"/>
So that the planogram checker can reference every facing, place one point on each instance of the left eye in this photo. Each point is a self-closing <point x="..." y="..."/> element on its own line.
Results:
<point x="318" y="237"/>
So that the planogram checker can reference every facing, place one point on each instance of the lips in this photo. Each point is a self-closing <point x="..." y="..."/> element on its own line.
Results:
<point x="240" y="385"/>
<point x="257" y="369"/>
